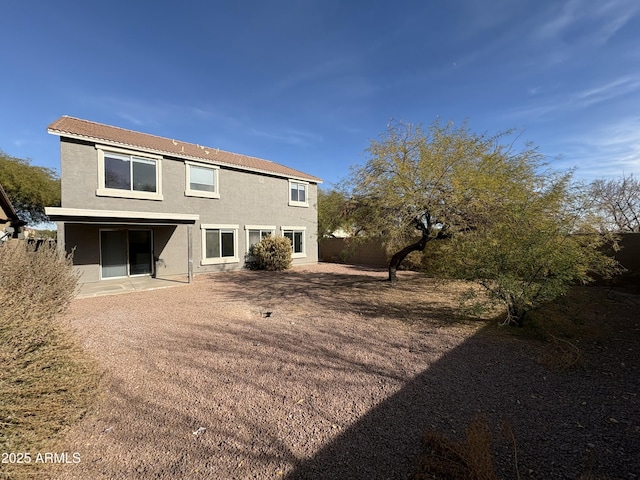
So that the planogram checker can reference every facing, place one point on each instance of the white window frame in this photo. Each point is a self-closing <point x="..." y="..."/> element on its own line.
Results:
<point x="302" y="254"/>
<point x="103" y="191"/>
<point x="219" y="260"/>
<point x="294" y="203"/>
<point x="261" y="228"/>
<point x="199" y="193"/>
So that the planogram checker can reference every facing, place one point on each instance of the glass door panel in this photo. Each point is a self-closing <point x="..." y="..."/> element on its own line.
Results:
<point x="113" y="251"/>
<point x="140" y="252"/>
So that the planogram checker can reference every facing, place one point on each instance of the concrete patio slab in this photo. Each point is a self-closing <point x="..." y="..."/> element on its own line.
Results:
<point x="128" y="285"/>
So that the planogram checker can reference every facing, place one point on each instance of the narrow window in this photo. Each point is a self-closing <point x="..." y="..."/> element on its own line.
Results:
<point x="297" y="241"/>
<point x="227" y="247"/>
<point x="298" y="194"/>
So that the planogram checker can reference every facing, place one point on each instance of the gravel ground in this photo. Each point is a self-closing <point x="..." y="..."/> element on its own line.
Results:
<point x="324" y="372"/>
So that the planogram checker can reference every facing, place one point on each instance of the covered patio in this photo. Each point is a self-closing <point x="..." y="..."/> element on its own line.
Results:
<point x="126" y="250"/>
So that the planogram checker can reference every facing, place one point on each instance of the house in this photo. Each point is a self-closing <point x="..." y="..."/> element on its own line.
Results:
<point x="138" y="204"/>
<point x="10" y="224"/>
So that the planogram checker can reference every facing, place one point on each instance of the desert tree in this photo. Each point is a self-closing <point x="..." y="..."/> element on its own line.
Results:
<point x="421" y="185"/>
<point x="332" y="212"/>
<point x="30" y="188"/>
<point x="492" y="213"/>
<point x="617" y="203"/>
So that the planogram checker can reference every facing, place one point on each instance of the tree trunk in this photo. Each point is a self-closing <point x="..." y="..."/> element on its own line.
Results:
<point x="399" y="257"/>
<point x="515" y="315"/>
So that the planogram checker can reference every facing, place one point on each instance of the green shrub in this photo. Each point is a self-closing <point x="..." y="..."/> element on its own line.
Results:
<point x="271" y="253"/>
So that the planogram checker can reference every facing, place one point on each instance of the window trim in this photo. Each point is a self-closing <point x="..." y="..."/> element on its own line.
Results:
<point x="293" y="203"/>
<point x="294" y="229"/>
<point x="219" y="260"/>
<point x="103" y="191"/>
<point x="199" y="193"/>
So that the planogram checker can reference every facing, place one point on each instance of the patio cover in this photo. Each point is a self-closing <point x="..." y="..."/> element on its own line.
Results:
<point x="120" y="217"/>
<point x="81" y="215"/>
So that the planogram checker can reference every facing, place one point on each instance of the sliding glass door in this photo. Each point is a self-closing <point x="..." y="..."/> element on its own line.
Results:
<point x="126" y="253"/>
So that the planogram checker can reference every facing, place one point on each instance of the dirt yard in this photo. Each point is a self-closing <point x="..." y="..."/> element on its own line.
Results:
<point x="326" y="372"/>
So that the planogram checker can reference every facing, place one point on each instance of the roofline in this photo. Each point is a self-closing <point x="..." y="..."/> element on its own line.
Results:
<point x="7" y="206"/>
<point x="61" y="133"/>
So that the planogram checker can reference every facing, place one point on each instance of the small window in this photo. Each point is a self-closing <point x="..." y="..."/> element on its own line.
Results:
<point x="219" y="244"/>
<point x="202" y="181"/>
<point x="255" y="233"/>
<point x="298" y="194"/>
<point x="256" y="236"/>
<point x="296" y="236"/>
<point x="128" y="175"/>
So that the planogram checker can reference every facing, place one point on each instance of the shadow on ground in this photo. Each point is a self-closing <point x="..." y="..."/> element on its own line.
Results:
<point x="275" y="393"/>
<point x="364" y="291"/>
<point x="566" y="424"/>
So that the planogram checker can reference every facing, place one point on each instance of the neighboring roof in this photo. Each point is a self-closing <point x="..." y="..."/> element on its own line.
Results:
<point x="85" y="130"/>
<point x="6" y="207"/>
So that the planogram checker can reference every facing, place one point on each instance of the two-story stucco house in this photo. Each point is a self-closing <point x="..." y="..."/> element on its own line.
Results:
<point x="138" y="204"/>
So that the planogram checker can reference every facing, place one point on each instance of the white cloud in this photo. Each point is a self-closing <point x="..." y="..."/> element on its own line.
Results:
<point x="586" y="21"/>
<point x="614" y="15"/>
<point x="532" y="91"/>
<point x="135" y="112"/>
<point x="559" y="22"/>
<point x="616" y="88"/>
<point x="543" y="106"/>
<point x="605" y="151"/>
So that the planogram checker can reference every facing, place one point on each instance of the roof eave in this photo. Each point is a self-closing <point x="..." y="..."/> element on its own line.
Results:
<point x="61" y="133"/>
<point x="9" y="210"/>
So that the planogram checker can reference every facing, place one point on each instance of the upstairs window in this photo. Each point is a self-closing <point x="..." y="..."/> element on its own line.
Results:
<point x="202" y="181"/>
<point x="128" y="174"/>
<point x="298" y="194"/>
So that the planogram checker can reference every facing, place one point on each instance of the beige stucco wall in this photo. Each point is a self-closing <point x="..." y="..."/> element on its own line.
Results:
<point x="246" y="198"/>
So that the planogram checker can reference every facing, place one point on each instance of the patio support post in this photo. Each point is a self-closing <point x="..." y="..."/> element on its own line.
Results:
<point x="189" y="255"/>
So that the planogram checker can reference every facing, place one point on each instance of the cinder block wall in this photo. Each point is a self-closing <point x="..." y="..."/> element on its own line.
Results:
<point x="341" y="250"/>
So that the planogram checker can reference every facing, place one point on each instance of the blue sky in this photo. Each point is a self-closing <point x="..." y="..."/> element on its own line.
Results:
<point x="308" y="83"/>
